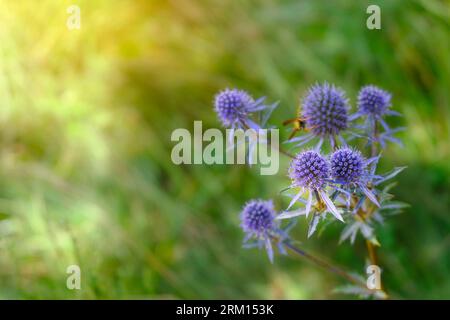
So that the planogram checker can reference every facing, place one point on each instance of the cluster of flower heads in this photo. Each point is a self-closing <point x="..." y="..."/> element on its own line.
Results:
<point x="326" y="112"/>
<point x="344" y="179"/>
<point x="344" y="171"/>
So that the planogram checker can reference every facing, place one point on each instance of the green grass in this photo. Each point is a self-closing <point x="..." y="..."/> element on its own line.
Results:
<point x="85" y="124"/>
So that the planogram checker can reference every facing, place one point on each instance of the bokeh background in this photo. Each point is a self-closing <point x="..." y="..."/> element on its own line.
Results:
<point x="85" y="123"/>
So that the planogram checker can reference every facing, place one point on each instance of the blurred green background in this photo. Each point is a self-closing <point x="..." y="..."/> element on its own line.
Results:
<point x="86" y="117"/>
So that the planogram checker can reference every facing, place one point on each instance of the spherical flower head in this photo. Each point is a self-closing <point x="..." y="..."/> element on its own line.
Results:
<point x="347" y="166"/>
<point x="309" y="169"/>
<point x="231" y="106"/>
<point x="258" y="217"/>
<point x="373" y="101"/>
<point x="325" y="109"/>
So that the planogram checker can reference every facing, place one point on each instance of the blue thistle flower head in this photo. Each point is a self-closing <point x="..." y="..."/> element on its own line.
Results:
<point x="258" y="218"/>
<point x="309" y="170"/>
<point x="373" y="101"/>
<point x="347" y="166"/>
<point x="232" y="106"/>
<point x="325" y="109"/>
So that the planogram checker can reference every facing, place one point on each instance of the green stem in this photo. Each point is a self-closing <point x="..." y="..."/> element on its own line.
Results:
<point x="325" y="265"/>
<point x="375" y="139"/>
<point x="333" y="269"/>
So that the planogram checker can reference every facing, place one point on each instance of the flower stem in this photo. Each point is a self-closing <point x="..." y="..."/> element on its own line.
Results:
<point x="282" y="151"/>
<point x="332" y="268"/>
<point x="286" y="153"/>
<point x="370" y="247"/>
<point x="374" y="138"/>
<point x="322" y="263"/>
<point x="335" y="143"/>
<point x="372" y="253"/>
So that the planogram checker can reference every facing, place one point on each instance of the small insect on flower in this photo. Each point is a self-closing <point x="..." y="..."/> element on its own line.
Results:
<point x="348" y="169"/>
<point x="325" y="114"/>
<point x="299" y="124"/>
<point x="258" y="221"/>
<point x="309" y="171"/>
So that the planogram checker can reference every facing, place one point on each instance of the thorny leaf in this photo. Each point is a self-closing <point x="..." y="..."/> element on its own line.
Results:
<point x="390" y="175"/>
<point x="313" y="224"/>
